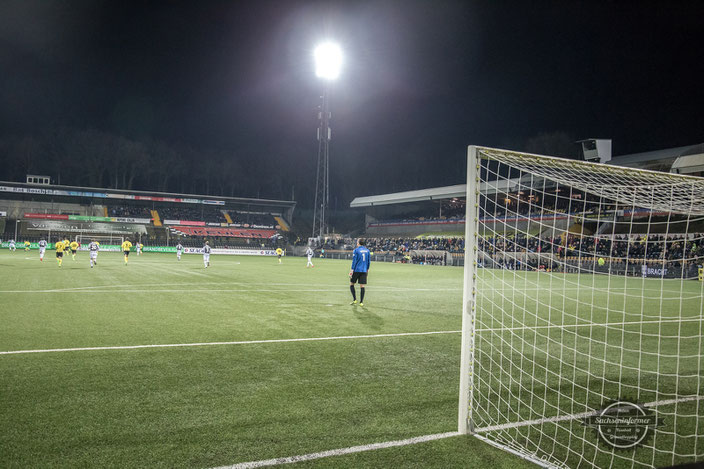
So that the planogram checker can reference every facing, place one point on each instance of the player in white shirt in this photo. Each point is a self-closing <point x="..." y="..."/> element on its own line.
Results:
<point x="179" y="251"/>
<point x="309" y="253"/>
<point x="12" y="245"/>
<point x="93" y="247"/>
<point x="206" y="255"/>
<point x="139" y="248"/>
<point x="42" y="249"/>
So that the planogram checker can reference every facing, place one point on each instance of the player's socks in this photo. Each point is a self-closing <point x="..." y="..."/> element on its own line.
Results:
<point x="361" y="295"/>
<point x="354" y="293"/>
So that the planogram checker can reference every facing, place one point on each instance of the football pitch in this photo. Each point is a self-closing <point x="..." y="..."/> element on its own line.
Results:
<point x="163" y="363"/>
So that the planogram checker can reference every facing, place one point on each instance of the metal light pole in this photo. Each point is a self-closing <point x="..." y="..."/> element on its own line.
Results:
<point x="322" y="180"/>
<point x="328" y="61"/>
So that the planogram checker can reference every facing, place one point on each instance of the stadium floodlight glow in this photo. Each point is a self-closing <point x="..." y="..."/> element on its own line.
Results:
<point x="328" y="60"/>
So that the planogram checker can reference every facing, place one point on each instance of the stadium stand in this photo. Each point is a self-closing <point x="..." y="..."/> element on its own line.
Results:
<point x="154" y="218"/>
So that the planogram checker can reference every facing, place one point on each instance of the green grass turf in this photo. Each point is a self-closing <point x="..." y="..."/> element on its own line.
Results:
<point x="216" y="405"/>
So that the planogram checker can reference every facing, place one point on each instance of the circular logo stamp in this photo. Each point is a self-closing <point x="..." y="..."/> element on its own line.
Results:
<point x="623" y="424"/>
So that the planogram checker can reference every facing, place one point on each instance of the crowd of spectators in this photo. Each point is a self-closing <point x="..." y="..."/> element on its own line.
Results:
<point x="429" y="259"/>
<point x="674" y="248"/>
<point x="413" y="244"/>
<point x="263" y="219"/>
<point x="671" y="247"/>
<point x="518" y="204"/>
<point x="193" y="213"/>
<point x="129" y="211"/>
<point x="197" y="213"/>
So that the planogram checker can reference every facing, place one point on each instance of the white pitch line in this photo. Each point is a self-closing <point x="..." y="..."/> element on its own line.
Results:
<point x="339" y="451"/>
<point x="231" y="290"/>
<point x="267" y="284"/>
<point x="581" y="415"/>
<point x="242" y="342"/>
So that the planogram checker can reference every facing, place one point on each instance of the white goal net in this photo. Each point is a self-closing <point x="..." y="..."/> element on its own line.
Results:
<point x="102" y="239"/>
<point x="583" y="312"/>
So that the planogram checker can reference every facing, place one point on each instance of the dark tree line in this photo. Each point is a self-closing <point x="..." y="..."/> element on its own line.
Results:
<point x="95" y="158"/>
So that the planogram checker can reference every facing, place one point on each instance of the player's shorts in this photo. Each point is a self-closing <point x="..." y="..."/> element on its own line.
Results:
<point x="360" y="277"/>
<point x="206" y="257"/>
<point x="73" y="251"/>
<point x="59" y="255"/>
<point x="279" y="256"/>
<point x="126" y="253"/>
<point x="93" y="254"/>
<point x="42" y="250"/>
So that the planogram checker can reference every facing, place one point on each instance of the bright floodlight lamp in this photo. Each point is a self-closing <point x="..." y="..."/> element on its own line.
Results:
<point x="328" y="60"/>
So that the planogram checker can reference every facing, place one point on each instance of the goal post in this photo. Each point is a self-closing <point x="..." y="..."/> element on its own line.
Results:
<point x="465" y="421"/>
<point x="582" y="312"/>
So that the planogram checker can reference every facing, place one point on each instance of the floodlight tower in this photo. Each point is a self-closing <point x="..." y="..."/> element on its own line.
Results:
<point x="328" y="61"/>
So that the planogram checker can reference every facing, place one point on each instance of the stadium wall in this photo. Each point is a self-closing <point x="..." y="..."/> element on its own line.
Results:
<point x="16" y="208"/>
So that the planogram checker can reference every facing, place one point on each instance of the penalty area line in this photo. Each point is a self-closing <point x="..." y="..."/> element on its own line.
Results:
<point x="241" y="342"/>
<point x="339" y="451"/>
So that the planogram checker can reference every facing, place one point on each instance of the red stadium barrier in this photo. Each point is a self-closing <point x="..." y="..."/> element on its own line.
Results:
<point x="225" y="232"/>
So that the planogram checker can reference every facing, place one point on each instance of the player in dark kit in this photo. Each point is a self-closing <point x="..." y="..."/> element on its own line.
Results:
<point x="359" y="270"/>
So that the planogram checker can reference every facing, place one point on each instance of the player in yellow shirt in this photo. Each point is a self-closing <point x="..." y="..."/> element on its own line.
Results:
<point x="59" y="252"/>
<point x="126" y="246"/>
<point x="74" y="247"/>
<point x="67" y="243"/>
<point x="279" y="253"/>
<point x="27" y="244"/>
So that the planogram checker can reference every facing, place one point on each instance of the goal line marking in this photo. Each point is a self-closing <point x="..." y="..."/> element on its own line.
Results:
<point x="240" y="342"/>
<point x="581" y="415"/>
<point x="339" y="451"/>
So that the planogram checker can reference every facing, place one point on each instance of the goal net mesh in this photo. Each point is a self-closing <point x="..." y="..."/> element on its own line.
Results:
<point x="583" y="288"/>
<point x="102" y="239"/>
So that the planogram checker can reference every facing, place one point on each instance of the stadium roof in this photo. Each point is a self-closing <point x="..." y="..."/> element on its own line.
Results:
<point x="93" y="192"/>
<point x="683" y="160"/>
<point x="435" y="193"/>
<point x="661" y="160"/>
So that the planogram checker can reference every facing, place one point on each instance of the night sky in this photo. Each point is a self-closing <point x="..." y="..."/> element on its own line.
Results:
<point x="227" y="89"/>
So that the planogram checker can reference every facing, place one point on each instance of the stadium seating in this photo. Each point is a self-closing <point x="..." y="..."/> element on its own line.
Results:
<point x="207" y="231"/>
